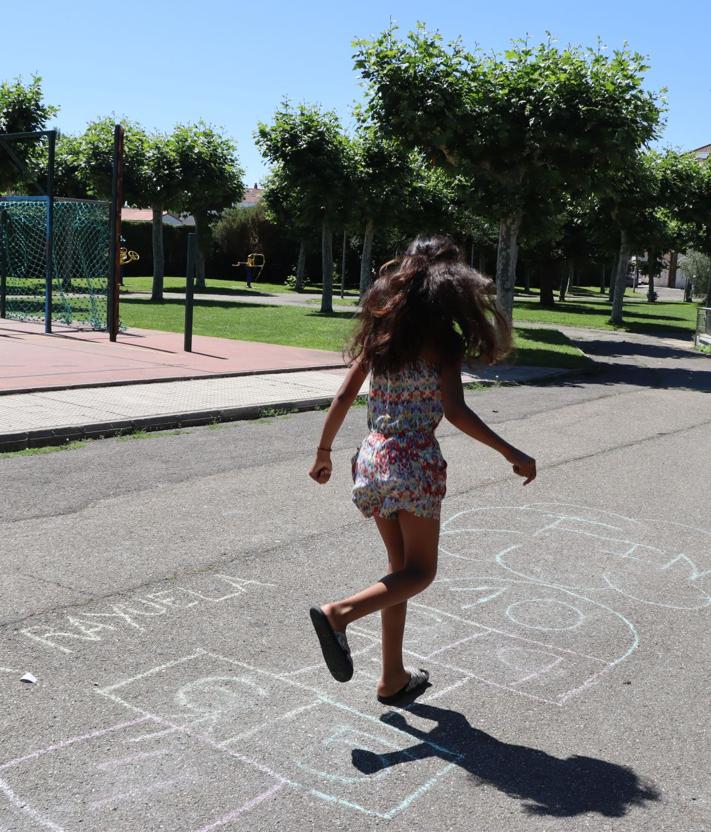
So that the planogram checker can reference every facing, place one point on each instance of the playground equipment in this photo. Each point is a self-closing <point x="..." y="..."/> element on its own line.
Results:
<point x="128" y="256"/>
<point x="253" y="261"/>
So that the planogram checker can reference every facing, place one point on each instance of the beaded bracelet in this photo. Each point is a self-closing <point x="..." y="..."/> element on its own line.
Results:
<point x="327" y="450"/>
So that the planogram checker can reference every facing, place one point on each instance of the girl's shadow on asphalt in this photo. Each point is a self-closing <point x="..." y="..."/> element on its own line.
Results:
<point x="550" y="786"/>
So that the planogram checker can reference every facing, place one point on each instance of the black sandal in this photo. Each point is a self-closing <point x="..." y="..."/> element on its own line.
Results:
<point x="334" y="646"/>
<point x="419" y="681"/>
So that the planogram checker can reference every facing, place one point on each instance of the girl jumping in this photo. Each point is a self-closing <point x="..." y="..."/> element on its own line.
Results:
<point x="423" y="316"/>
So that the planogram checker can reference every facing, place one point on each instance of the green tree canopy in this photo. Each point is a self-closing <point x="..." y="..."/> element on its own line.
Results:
<point x="521" y="127"/>
<point x="210" y="176"/>
<point x="314" y="158"/>
<point x="22" y="109"/>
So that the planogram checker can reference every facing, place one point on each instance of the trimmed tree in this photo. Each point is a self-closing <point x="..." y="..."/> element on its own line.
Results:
<point x="162" y="191"/>
<point x="533" y="122"/>
<point x="383" y="173"/>
<point x="211" y="180"/>
<point x="285" y="206"/>
<point x="314" y="157"/>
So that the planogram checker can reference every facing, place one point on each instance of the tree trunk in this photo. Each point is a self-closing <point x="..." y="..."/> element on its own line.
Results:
<point x="343" y="263"/>
<point x="481" y="268"/>
<point x="566" y="280"/>
<point x="546" y="283"/>
<point x="506" y="257"/>
<point x="301" y="267"/>
<point x="673" y="261"/>
<point x="603" y="269"/>
<point x="613" y="277"/>
<point x="620" y="279"/>
<point x="326" y="267"/>
<point x="158" y="254"/>
<point x="651" y="262"/>
<point x="635" y="279"/>
<point x="527" y="281"/>
<point x="471" y="257"/>
<point x="365" y="257"/>
<point x="199" y="261"/>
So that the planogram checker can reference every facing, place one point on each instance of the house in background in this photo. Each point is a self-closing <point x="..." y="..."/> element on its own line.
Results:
<point x="702" y="154"/>
<point x="146" y="215"/>
<point x="252" y="196"/>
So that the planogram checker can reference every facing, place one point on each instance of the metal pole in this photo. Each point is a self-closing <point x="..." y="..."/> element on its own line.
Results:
<point x="189" y="285"/>
<point x="112" y="294"/>
<point x="49" y="235"/>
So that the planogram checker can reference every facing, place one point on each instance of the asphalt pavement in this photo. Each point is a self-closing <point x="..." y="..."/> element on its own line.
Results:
<point x="157" y="591"/>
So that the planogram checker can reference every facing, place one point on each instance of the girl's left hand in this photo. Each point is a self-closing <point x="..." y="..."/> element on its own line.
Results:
<point x="322" y="467"/>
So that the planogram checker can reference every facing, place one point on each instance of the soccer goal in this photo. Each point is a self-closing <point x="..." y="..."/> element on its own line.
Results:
<point x="74" y="235"/>
<point x="58" y="256"/>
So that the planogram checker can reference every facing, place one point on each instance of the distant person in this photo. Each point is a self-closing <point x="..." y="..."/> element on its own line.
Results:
<point x="424" y="315"/>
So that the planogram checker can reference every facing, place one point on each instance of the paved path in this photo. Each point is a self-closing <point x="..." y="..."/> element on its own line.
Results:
<point x="265" y="299"/>
<point x="157" y="590"/>
<point x="31" y="360"/>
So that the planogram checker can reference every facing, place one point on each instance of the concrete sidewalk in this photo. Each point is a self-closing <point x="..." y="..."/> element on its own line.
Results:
<point x="57" y="416"/>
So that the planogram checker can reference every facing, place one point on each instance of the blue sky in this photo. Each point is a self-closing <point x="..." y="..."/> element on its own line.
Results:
<point x="230" y="63"/>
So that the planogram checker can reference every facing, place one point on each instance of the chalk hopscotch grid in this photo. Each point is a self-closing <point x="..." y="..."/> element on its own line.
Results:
<point x="322" y="698"/>
<point x="558" y="521"/>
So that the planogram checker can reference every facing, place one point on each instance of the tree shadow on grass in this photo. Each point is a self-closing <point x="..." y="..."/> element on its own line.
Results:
<point x="548" y="786"/>
<point x="542" y="352"/>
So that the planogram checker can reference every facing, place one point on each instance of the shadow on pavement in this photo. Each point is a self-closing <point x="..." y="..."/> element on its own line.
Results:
<point x="549" y="786"/>
<point x="659" y="365"/>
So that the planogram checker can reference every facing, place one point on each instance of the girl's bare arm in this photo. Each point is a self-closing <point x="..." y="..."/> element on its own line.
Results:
<point x="462" y="417"/>
<point x="344" y="398"/>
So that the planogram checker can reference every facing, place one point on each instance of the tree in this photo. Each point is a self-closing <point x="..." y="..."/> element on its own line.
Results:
<point x="68" y="172"/>
<point x="697" y="270"/>
<point x="656" y="202"/>
<point x="211" y="180"/>
<point x="285" y="206"/>
<point x="383" y="173"/>
<point x="314" y="157"/>
<point x="521" y="127"/>
<point x="22" y="109"/>
<point x="161" y="191"/>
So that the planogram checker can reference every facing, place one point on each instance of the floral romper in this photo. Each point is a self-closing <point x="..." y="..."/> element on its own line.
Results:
<point x="399" y="464"/>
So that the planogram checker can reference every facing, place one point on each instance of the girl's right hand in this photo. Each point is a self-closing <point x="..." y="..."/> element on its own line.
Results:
<point x="523" y="465"/>
<point x="322" y="467"/>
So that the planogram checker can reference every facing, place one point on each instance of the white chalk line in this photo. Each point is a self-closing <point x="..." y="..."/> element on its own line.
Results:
<point x="198" y="652"/>
<point x="325" y="698"/>
<point x="154" y="785"/>
<point x="233" y="815"/>
<point x="512" y="635"/>
<point x="71" y="741"/>
<point x="20" y="804"/>
<point x="629" y="595"/>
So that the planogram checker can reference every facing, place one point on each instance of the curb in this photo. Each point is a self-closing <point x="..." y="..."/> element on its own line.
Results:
<point x="44" y="437"/>
<point x="22" y="440"/>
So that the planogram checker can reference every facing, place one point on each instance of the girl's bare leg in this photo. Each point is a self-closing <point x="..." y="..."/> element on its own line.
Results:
<point x="394" y="676"/>
<point x="420" y="539"/>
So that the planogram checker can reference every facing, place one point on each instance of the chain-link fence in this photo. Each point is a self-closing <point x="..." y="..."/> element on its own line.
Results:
<point x="80" y="262"/>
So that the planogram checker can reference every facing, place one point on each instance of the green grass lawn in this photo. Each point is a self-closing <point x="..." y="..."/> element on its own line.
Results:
<point x="586" y="310"/>
<point x="302" y="327"/>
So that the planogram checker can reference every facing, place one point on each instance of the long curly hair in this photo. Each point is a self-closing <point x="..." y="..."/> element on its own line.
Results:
<point x="430" y="298"/>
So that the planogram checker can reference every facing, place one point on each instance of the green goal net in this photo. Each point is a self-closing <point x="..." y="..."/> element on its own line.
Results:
<point x="79" y="266"/>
